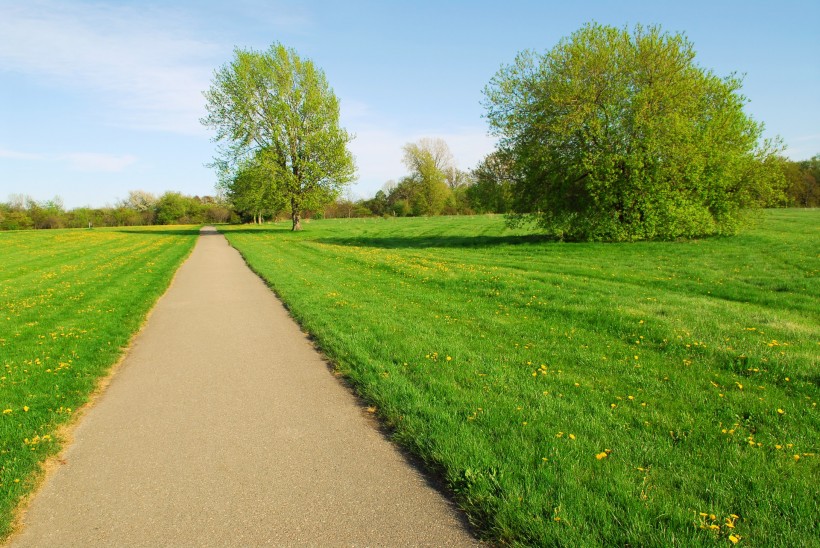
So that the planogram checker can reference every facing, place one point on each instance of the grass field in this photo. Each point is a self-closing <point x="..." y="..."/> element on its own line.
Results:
<point x="69" y="301"/>
<point x="579" y="394"/>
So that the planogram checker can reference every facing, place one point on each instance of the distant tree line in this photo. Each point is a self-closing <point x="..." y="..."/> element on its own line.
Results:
<point x="490" y="187"/>
<point x="802" y="183"/>
<point x="435" y="186"/>
<point x="22" y="212"/>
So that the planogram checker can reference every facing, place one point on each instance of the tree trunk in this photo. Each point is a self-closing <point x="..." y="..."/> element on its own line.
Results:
<point x="294" y="212"/>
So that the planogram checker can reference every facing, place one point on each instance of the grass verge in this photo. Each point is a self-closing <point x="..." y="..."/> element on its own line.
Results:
<point x="579" y="394"/>
<point x="70" y="300"/>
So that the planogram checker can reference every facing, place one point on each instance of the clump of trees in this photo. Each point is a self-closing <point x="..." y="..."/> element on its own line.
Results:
<point x="802" y="183"/>
<point x="140" y="208"/>
<point x="277" y="121"/>
<point x="613" y="135"/>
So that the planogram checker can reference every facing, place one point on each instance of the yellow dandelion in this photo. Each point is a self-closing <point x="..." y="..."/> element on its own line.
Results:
<point x="796" y="458"/>
<point x="572" y="436"/>
<point x="601" y="455"/>
<point x="780" y="412"/>
<point x="26" y="408"/>
<point x="734" y="539"/>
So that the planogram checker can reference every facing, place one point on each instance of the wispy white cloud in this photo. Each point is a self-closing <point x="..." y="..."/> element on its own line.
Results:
<point x="139" y="63"/>
<point x="76" y="161"/>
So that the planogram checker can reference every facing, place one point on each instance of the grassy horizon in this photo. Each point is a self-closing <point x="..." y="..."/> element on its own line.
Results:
<point x="70" y="301"/>
<point x="649" y="393"/>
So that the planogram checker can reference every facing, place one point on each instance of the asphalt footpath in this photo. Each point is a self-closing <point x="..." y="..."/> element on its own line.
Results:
<point x="224" y="427"/>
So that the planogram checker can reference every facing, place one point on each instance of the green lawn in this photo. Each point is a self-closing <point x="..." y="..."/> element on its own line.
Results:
<point x="579" y="394"/>
<point x="70" y="300"/>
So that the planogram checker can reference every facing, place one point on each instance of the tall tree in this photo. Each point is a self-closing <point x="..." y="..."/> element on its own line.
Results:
<point x="426" y="187"/>
<point x="621" y="136"/>
<point x="276" y="108"/>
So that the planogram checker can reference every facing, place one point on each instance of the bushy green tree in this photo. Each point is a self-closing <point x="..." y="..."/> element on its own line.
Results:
<point x="492" y="190"/>
<point x="277" y="108"/>
<point x="426" y="186"/>
<point x="622" y="136"/>
<point x="172" y="208"/>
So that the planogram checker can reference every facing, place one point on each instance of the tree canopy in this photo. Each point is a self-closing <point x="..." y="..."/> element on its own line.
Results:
<point x="615" y="135"/>
<point x="278" y="121"/>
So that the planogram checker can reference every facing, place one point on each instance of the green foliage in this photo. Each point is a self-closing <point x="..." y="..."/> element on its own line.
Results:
<point x="510" y="364"/>
<point x="70" y="300"/>
<point x="802" y="182"/>
<point x="276" y="112"/>
<point x="619" y="136"/>
<point x="139" y="209"/>
<point x="171" y="207"/>
<point x="492" y="191"/>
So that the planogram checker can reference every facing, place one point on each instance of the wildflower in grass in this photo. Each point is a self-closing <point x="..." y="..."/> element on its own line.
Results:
<point x="781" y="412"/>
<point x="26" y="408"/>
<point x="734" y="539"/>
<point x="572" y="436"/>
<point x="601" y="455"/>
<point x="6" y="411"/>
<point x="796" y="458"/>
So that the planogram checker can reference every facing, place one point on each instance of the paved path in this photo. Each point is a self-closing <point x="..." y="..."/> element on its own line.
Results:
<point x="223" y="427"/>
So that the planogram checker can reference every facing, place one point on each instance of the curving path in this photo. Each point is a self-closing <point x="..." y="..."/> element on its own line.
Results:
<point x="224" y="427"/>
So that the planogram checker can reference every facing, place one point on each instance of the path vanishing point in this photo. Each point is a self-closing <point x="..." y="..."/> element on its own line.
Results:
<point x="224" y="427"/>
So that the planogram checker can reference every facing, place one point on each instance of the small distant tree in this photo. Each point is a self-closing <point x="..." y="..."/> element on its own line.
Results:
<point x="172" y="208"/>
<point x="622" y="136"/>
<point x="426" y="187"/>
<point x="277" y="109"/>
<point x="253" y="189"/>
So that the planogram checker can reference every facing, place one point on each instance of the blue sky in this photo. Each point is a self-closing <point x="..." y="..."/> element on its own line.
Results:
<point x="99" y="98"/>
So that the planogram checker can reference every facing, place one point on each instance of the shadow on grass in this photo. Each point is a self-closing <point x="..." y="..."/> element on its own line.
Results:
<point x="421" y="242"/>
<point x="167" y="232"/>
<point x="403" y="242"/>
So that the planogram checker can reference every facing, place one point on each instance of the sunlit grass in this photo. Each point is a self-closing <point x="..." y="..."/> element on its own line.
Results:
<point x="69" y="302"/>
<point x="579" y="394"/>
